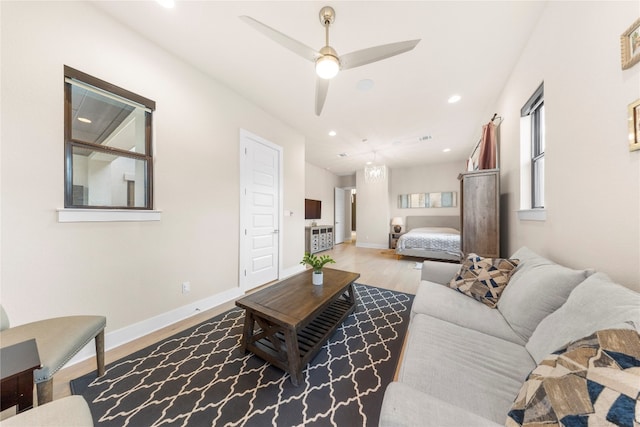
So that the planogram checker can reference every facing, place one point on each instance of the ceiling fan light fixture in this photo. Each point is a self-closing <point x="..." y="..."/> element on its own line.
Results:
<point x="327" y="67"/>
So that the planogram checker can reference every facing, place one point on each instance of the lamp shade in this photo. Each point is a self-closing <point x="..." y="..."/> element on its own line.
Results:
<point x="397" y="220"/>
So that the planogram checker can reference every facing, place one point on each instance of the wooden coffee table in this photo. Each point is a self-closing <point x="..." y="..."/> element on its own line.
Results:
<point x="287" y="323"/>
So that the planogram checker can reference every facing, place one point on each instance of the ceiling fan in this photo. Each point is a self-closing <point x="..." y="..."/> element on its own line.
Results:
<point x="327" y="61"/>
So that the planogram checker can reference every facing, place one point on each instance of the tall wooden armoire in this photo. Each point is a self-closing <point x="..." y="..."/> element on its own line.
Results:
<point x="480" y="212"/>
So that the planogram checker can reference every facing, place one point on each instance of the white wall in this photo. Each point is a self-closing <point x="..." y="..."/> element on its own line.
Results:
<point x="372" y="212"/>
<point x="592" y="180"/>
<point x="128" y="271"/>
<point x="345" y="181"/>
<point x="424" y="179"/>
<point x="320" y="185"/>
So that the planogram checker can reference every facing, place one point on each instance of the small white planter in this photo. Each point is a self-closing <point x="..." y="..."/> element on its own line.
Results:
<point x="317" y="277"/>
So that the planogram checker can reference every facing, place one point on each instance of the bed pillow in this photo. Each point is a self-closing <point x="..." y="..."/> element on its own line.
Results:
<point x="483" y="279"/>
<point x="594" y="381"/>
<point x="435" y="230"/>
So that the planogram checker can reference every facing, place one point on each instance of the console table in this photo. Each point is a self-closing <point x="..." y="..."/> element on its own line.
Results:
<point x="17" y="363"/>
<point x="318" y="238"/>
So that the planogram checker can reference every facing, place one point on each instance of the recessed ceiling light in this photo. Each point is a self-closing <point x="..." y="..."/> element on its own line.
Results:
<point x="342" y="155"/>
<point x="454" y="99"/>
<point x="332" y="133"/>
<point x="369" y="163"/>
<point x="169" y="4"/>
<point x="84" y="120"/>
<point x="446" y="150"/>
<point x="365" y="140"/>
<point x="364" y="85"/>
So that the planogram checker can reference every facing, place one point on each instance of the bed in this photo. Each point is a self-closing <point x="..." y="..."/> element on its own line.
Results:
<point x="436" y="237"/>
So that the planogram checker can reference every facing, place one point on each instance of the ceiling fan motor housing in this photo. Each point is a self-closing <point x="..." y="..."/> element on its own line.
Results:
<point x="327" y="15"/>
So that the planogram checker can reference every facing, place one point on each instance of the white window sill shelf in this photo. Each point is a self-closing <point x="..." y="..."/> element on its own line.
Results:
<point x="107" y="215"/>
<point x="532" y="215"/>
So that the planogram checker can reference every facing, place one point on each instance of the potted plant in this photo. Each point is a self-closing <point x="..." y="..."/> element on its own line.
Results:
<point x="316" y="263"/>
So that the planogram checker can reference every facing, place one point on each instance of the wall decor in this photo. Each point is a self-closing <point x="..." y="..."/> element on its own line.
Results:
<point x="634" y="126"/>
<point x="630" y="45"/>
<point x="448" y="199"/>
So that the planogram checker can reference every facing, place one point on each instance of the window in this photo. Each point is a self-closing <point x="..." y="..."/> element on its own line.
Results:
<point x="108" y="155"/>
<point x="532" y="152"/>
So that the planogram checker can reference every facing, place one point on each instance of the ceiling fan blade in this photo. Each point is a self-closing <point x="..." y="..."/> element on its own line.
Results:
<point x="322" y="87"/>
<point x="283" y="39"/>
<point x="373" y="54"/>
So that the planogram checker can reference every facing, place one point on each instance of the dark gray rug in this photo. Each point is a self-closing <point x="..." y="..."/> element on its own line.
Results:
<point x="199" y="377"/>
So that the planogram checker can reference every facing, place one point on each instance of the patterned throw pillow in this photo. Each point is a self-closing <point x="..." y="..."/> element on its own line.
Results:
<point x="594" y="381"/>
<point x="483" y="279"/>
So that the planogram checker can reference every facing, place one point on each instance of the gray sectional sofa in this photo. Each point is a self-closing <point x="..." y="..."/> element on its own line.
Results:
<point x="464" y="362"/>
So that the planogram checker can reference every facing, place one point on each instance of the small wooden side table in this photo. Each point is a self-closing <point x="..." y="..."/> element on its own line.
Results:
<point x="17" y="363"/>
<point x="393" y="239"/>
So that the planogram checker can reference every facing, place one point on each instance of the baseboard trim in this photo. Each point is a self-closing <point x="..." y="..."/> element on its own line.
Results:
<point x="371" y="245"/>
<point x="132" y="332"/>
<point x="288" y="272"/>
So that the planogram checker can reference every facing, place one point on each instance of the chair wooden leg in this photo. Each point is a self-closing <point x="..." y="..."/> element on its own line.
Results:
<point x="45" y="391"/>
<point x="100" y="352"/>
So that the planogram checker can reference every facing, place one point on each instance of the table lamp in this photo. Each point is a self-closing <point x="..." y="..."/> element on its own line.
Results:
<point x="397" y="224"/>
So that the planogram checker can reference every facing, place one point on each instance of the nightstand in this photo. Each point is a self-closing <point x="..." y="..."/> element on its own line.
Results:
<point x="18" y="363"/>
<point x="393" y="239"/>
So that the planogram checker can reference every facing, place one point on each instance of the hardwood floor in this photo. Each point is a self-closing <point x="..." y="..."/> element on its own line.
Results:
<point x="377" y="267"/>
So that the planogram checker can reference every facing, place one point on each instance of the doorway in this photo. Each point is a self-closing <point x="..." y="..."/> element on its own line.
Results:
<point x="339" y="215"/>
<point x="260" y="210"/>
<point x="344" y="214"/>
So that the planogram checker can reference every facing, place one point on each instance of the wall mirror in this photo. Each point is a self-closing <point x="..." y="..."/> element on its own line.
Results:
<point x="447" y="199"/>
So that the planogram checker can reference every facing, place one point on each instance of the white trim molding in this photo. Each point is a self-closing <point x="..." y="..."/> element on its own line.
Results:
<point x="288" y="272"/>
<point x="129" y="333"/>
<point x="107" y="215"/>
<point x="371" y="245"/>
<point x="532" y="215"/>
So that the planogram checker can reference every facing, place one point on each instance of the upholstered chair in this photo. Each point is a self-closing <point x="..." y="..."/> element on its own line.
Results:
<point x="58" y="340"/>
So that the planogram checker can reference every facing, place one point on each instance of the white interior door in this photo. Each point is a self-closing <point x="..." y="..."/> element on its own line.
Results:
<point x="260" y="194"/>
<point x="338" y="216"/>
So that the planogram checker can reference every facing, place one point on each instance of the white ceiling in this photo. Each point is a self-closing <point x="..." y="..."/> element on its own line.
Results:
<point x="468" y="48"/>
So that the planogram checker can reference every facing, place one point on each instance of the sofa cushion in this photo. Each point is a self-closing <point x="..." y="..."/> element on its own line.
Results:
<point x="446" y="304"/>
<point x="464" y="367"/>
<point x="536" y="289"/>
<point x="597" y="303"/>
<point x="404" y="406"/>
<point x="438" y="272"/>
<point x="483" y="279"/>
<point x="593" y="381"/>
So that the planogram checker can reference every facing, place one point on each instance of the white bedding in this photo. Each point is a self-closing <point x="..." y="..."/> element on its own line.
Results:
<point x="439" y="239"/>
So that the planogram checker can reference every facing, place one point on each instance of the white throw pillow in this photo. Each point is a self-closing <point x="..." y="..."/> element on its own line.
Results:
<point x="597" y="303"/>
<point x="536" y="289"/>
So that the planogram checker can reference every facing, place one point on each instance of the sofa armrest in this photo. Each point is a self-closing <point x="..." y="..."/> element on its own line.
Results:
<point x="439" y="272"/>
<point x="404" y="406"/>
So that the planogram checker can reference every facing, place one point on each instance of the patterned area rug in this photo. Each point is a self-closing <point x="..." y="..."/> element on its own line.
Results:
<point x="199" y="377"/>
